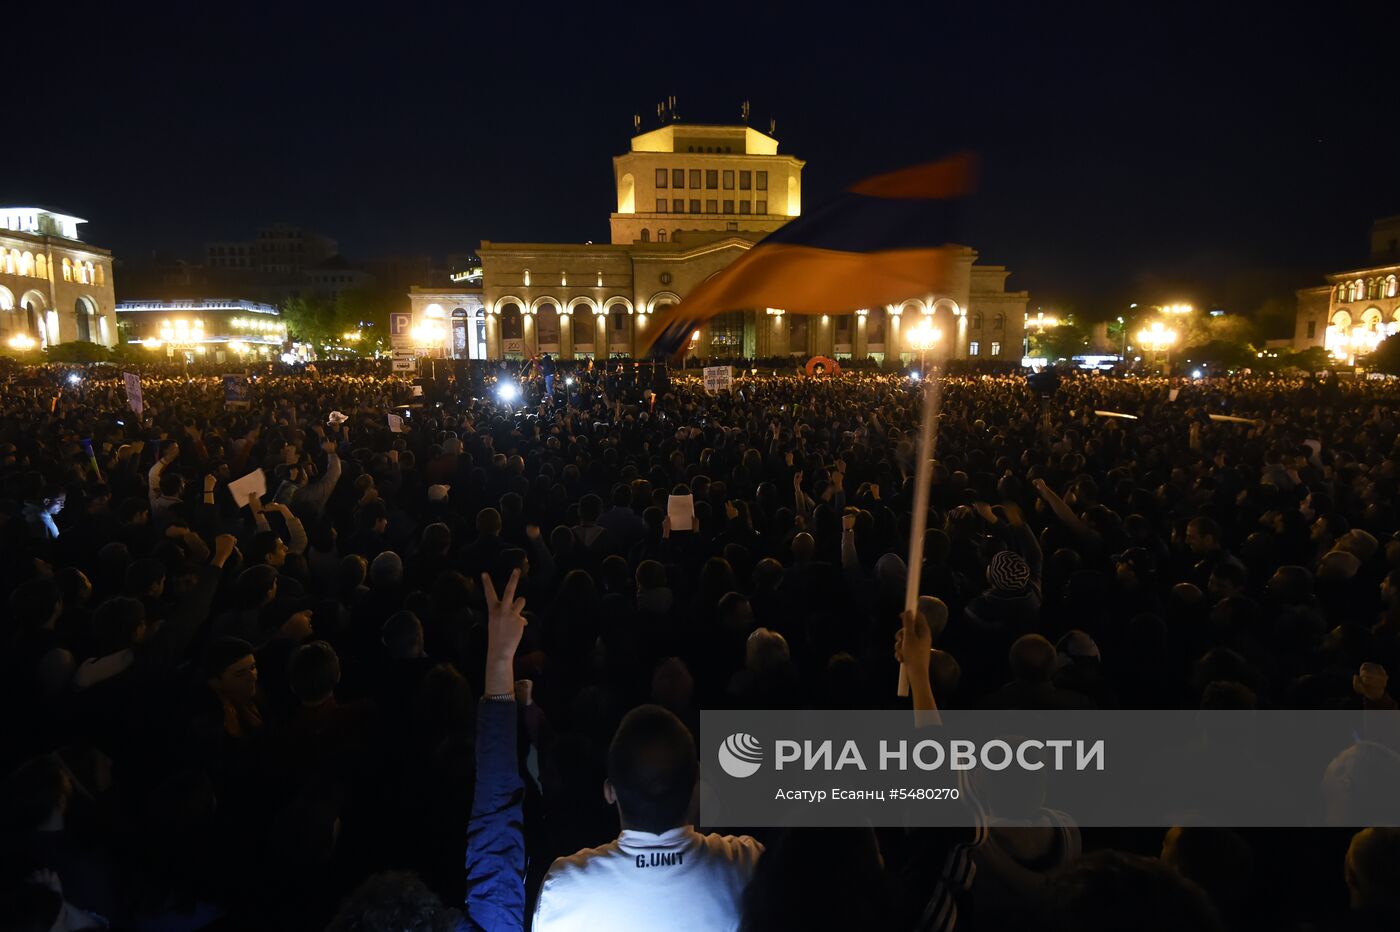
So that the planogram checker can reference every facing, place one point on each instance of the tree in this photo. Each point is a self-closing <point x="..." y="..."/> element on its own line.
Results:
<point x="1220" y="354"/>
<point x="1385" y="357"/>
<point x="366" y="310"/>
<point x="311" y="320"/>
<point x="1061" y="342"/>
<point x="1312" y="359"/>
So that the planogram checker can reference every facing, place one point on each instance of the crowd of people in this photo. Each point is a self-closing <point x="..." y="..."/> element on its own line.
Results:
<point x="439" y="663"/>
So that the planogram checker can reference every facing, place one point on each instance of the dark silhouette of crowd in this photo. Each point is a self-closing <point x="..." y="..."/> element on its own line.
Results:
<point x="442" y="666"/>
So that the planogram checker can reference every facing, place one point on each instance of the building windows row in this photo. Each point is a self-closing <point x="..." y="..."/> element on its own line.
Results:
<point x="710" y="206"/>
<point x="974" y="348"/>
<point x="998" y="322"/>
<point x="85" y="273"/>
<point x="1368" y="289"/>
<point x="14" y="262"/>
<point x="711" y="179"/>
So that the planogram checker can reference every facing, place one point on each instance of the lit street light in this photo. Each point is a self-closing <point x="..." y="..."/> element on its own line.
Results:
<point x="1156" y="338"/>
<point x="1040" y="323"/>
<point x="923" y="337"/>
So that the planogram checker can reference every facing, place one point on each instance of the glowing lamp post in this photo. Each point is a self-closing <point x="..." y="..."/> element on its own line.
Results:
<point x="923" y="337"/>
<point x="429" y="334"/>
<point x="179" y="334"/>
<point x="1040" y="323"/>
<point x="1156" y="338"/>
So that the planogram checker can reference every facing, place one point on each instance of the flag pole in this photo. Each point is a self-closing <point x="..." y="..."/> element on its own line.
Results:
<point x="918" y="519"/>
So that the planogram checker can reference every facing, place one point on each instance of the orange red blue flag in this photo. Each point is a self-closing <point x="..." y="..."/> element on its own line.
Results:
<point x="881" y="241"/>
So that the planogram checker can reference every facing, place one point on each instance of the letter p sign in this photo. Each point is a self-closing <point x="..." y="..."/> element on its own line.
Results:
<point x="400" y="327"/>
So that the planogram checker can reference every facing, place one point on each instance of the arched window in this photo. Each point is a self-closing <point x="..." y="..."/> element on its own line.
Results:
<point x="1372" y="287"/>
<point x="84" y="312"/>
<point x="512" y="324"/>
<point x="101" y="276"/>
<point x="646" y="236"/>
<point x="1391" y="284"/>
<point x="88" y="276"/>
<point x="7" y="261"/>
<point x="976" y="322"/>
<point x="41" y="266"/>
<point x="7" y="299"/>
<point x="26" y="264"/>
<point x="527" y="278"/>
<point x="67" y="269"/>
<point x="661" y="236"/>
<point x="999" y="322"/>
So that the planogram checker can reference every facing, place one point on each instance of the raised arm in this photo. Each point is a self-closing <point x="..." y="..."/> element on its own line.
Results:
<point x="496" y="832"/>
<point x="296" y="532"/>
<point x="1062" y="511"/>
<point x="913" y="647"/>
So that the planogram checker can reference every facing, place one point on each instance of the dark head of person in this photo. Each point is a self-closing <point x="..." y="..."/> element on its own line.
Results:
<point x="652" y="770"/>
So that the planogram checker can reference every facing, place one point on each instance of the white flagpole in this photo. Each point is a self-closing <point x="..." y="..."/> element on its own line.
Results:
<point x="918" y="520"/>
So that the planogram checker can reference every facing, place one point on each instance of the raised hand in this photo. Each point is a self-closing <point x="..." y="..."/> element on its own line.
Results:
<point x="224" y="546"/>
<point x="505" y="625"/>
<point x="913" y="643"/>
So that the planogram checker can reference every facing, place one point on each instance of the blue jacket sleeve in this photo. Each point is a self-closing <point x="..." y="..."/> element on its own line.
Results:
<point x="496" y="833"/>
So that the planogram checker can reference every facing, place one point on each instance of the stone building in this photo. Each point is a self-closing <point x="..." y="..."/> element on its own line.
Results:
<point x="690" y="200"/>
<point x="1355" y="310"/>
<point x="54" y="288"/>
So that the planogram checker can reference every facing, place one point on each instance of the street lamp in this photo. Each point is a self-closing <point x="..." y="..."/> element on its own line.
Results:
<point x="1041" y="322"/>
<point x="1177" y="309"/>
<point x="179" y="334"/>
<point x="1156" y="338"/>
<point x="429" y="334"/>
<point x="923" y="337"/>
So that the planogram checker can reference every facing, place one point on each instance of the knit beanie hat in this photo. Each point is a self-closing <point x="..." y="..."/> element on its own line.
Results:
<point x="1008" y="572"/>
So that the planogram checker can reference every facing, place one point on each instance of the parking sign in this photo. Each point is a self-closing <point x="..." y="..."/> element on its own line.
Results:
<point x="400" y="326"/>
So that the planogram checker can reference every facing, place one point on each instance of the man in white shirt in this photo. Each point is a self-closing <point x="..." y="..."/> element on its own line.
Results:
<point x="659" y="873"/>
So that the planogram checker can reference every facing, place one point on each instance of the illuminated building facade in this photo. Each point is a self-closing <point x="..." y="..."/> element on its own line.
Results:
<point x="54" y="288"/>
<point x="690" y="200"/>
<point x="1356" y="309"/>
<point x="219" y="329"/>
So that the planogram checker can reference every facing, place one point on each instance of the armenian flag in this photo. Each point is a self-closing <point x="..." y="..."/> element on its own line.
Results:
<point x="882" y="241"/>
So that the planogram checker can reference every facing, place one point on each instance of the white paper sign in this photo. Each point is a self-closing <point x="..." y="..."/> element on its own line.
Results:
<point x="1173" y="394"/>
<point x="395" y="424"/>
<point x="718" y="378"/>
<point x="681" y="510"/>
<point x="254" y="482"/>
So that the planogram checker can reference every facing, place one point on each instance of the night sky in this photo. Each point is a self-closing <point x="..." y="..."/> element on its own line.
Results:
<point x="1147" y="156"/>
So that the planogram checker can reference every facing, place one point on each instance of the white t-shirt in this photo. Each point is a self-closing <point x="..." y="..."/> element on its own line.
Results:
<point x="677" y="880"/>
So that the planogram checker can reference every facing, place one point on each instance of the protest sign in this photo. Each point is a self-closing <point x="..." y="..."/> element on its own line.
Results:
<point x="681" y="510"/>
<point x="237" y="393"/>
<point x="133" y="393"/>
<point x="718" y="378"/>
<point x="254" y="482"/>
